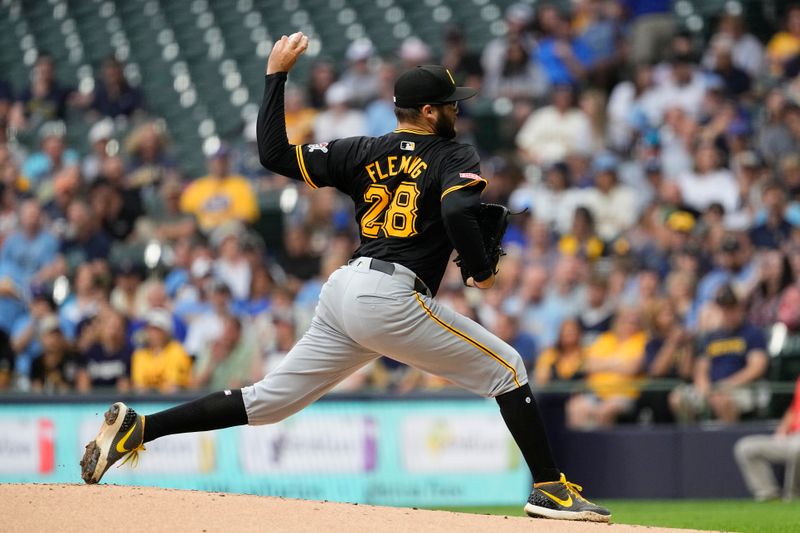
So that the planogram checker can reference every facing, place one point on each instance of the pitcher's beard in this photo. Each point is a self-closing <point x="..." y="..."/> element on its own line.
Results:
<point x="445" y="127"/>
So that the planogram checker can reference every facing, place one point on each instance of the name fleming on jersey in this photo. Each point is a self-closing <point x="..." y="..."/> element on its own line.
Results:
<point x="394" y="165"/>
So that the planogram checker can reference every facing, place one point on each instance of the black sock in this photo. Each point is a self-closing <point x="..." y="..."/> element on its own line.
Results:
<point x="217" y="410"/>
<point x="521" y="415"/>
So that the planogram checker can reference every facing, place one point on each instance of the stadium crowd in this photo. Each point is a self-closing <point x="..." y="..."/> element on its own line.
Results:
<point x="659" y="173"/>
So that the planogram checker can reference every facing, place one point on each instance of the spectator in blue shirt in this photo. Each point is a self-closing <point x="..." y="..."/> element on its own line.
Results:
<point x="107" y="360"/>
<point x="506" y="327"/>
<point x="53" y="158"/>
<point x="85" y="241"/>
<point x="732" y="264"/>
<point x="732" y="357"/>
<point x="24" y="257"/>
<point x="563" y="58"/>
<point x="114" y="96"/>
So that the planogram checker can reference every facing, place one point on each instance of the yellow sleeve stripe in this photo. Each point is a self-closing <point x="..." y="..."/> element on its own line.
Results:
<point x="469" y="339"/>
<point x="447" y="191"/>
<point x="298" y="150"/>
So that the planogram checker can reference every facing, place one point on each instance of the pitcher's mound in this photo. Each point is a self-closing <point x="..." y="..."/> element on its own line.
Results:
<point x="111" y="508"/>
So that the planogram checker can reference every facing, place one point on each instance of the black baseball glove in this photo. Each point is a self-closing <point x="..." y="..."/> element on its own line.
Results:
<point x="493" y="221"/>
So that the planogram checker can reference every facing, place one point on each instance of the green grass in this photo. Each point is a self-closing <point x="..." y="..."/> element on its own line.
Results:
<point x="720" y="515"/>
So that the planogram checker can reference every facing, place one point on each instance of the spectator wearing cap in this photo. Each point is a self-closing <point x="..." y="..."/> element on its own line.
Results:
<point x="161" y="363"/>
<point x="54" y="370"/>
<point x="106" y="362"/>
<point x="227" y="362"/>
<point x="774" y="229"/>
<point x="732" y="358"/>
<point x="555" y="131"/>
<point x="359" y="80"/>
<point x="113" y="95"/>
<point x="757" y="454"/>
<point x="220" y="196"/>
<point x="53" y="157"/>
<point x="45" y="99"/>
<point x="26" y="332"/>
<point x="100" y="134"/>
<point x="733" y="264"/>
<point x="340" y="119"/>
<point x="612" y="363"/>
<point x="564" y="58"/>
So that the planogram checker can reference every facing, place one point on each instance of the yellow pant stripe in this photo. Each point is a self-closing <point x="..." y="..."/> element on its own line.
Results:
<point x="298" y="150"/>
<point x="470" y="340"/>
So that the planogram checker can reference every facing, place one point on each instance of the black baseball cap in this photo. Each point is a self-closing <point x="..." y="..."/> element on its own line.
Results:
<point x="428" y="84"/>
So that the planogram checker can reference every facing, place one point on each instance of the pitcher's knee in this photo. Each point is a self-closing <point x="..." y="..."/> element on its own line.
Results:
<point x="513" y="374"/>
<point x="265" y="408"/>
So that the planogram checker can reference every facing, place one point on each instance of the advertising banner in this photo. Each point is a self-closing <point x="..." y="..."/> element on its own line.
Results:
<point x="393" y="452"/>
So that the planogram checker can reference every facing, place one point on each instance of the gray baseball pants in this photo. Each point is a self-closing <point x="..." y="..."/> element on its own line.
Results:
<point x="362" y="314"/>
<point x="756" y="454"/>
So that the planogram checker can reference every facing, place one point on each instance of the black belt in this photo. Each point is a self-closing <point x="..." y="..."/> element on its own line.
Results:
<point x="388" y="268"/>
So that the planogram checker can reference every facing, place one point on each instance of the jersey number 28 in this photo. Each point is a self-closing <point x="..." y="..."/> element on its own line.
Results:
<point x="399" y="220"/>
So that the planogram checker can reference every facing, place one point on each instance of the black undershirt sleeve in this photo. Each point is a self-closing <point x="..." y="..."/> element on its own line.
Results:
<point x="460" y="215"/>
<point x="274" y="150"/>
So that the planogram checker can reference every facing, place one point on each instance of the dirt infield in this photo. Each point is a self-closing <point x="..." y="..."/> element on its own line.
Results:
<point x="111" y="508"/>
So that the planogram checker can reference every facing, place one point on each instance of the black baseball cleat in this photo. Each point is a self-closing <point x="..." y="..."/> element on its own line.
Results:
<point x="121" y="434"/>
<point x="562" y="500"/>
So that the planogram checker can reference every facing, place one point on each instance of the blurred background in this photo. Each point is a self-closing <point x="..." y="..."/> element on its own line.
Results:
<point x="652" y="284"/>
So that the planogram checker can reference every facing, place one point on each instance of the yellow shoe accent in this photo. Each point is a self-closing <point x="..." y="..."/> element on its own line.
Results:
<point x="133" y="456"/>
<point x="559" y="501"/>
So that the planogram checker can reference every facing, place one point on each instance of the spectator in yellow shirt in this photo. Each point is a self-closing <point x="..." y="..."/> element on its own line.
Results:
<point x="161" y="364"/>
<point x="612" y="364"/>
<point x="220" y="196"/>
<point x="785" y="45"/>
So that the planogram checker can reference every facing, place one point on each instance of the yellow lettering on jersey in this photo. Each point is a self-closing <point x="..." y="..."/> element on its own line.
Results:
<point x="371" y="171"/>
<point x="405" y="161"/>
<point x="418" y="168"/>
<point x="411" y="166"/>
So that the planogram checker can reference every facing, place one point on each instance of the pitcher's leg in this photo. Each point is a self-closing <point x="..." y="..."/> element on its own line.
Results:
<point x="438" y="340"/>
<point x="320" y="359"/>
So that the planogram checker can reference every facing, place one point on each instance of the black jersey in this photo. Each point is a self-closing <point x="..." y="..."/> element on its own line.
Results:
<point x="416" y="194"/>
<point x="397" y="183"/>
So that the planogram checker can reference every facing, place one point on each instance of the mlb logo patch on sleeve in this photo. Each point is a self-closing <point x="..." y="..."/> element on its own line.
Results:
<point x="322" y="147"/>
<point x="407" y="145"/>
